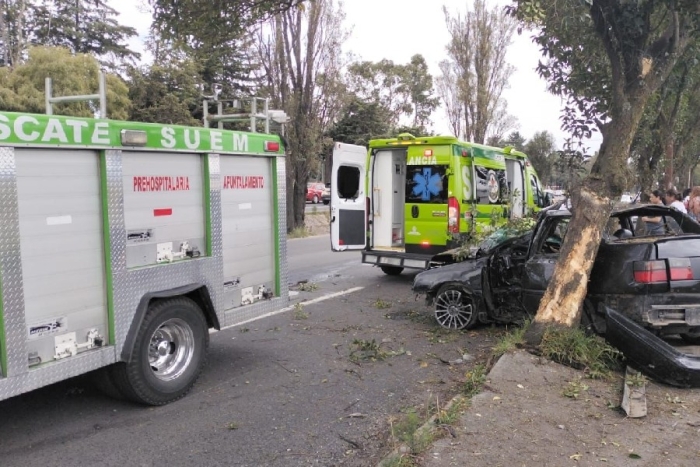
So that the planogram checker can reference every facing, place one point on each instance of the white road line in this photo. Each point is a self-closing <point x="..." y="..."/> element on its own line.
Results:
<point x="289" y="308"/>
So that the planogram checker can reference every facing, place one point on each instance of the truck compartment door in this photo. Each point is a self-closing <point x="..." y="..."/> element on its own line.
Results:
<point x="348" y="197"/>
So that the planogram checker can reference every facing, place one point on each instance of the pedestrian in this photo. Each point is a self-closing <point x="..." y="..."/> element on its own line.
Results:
<point x="694" y="203"/>
<point x="673" y="200"/>
<point x="686" y="197"/>
<point x="654" y="224"/>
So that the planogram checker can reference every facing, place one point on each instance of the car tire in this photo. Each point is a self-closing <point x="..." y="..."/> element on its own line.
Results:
<point x="169" y="353"/>
<point x="692" y="337"/>
<point x="455" y="307"/>
<point x="391" y="270"/>
<point x="326" y="202"/>
<point x="315" y="200"/>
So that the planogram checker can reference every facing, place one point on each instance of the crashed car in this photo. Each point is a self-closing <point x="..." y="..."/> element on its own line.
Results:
<point x="653" y="280"/>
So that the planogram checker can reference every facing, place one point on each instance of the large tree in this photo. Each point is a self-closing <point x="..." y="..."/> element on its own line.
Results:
<point x="359" y="122"/>
<point x="607" y="57"/>
<point x="83" y="26"/>
<point x="476" y="72"/>
<point x="13" y="30"/>
<point x="300" y="57"/>
<point x="22" y="87"/>
<point x="406" y="90"/>
<point x="541" y="150"/>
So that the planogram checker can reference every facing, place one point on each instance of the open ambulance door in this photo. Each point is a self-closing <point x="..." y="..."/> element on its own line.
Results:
<point x="348" y="197"/>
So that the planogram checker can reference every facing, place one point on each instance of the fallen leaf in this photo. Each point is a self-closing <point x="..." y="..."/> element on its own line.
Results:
<point x="521" y="386"/>
<point x="423" y="364"/>
<point x="496" y="398"/>
<point x="634" y="455"/>
<point x="575" y="457"/>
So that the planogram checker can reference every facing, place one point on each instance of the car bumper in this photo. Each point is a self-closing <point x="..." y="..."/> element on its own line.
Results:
<point x="649" y="353"/>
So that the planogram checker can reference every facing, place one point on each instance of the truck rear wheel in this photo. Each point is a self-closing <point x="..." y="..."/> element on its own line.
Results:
<point x="454" y="307"/>
<point x="391" y="270"/>
<point x="169" y="353"/>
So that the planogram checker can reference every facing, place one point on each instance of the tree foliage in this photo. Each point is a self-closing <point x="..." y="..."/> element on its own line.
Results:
<point x="22" y="87"/>
<point x="165" y="92"/>
<point x="476" y="72"/>
<point x="84" y="27"/>
<point x="299" y="53"/>
<point x="360" y="122"/>
<point x="13" y="30"/>
<point x="406" y="91"/>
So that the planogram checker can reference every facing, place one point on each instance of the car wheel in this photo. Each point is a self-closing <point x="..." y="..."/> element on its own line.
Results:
<point x="454" y="307"/>
<point x="692" y="337"/>
<point x="391" y="270"/>
<point x="315" y="200"/>
<point x="169" y="353"/>
<point x="326" y="202"/>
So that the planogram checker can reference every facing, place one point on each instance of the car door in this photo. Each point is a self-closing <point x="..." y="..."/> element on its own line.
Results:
<point x="538" y="270"/>
<point x="348" y="197"/>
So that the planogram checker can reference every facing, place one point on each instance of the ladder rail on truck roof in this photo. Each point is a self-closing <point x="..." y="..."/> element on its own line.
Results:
<point x="126" y="242"/>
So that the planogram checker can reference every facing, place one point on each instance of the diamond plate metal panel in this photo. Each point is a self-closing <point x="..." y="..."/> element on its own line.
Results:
<point x="11" y="268"/>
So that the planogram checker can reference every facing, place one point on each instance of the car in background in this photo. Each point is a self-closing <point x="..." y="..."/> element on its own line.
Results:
<point x="314" y="191"/>
<point x="326" y="195"/>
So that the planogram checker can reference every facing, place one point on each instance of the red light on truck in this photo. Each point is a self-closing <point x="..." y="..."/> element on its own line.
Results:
<point x="453" y="215"/>
<point x="272" y="146"/>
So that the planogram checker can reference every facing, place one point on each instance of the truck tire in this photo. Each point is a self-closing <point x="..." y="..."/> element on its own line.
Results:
<point x="391" y="270"/>
<point x="454" y="307"/>
<point x="170" y="351"/>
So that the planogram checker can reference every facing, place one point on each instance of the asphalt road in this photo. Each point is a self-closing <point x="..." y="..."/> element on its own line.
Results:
<point x="322" y="384"/>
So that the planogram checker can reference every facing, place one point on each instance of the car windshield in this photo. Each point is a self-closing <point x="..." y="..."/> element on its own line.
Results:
<point x="498" y="236"/>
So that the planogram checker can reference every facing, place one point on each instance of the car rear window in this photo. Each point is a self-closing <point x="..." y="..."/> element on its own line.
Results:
<point x="426" y="184"/>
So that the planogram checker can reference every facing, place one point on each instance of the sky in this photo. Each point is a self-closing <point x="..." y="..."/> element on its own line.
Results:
<point x="399" y="29"/>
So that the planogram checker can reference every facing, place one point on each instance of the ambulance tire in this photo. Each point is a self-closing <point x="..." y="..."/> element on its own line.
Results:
<point x="170" y="351"/>
<point x="391" y="270"/>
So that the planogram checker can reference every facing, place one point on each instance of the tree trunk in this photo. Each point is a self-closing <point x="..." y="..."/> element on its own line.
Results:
<point x="667" y="142"/>
<point x="562" y="302"/>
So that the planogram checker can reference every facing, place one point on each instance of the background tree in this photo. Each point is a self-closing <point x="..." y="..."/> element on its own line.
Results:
<point x="165" y="92"/>
<point x="406" y="91"/>
<point x="83" y="26"/>
<point x="300" y="57"/>
<point x="542" y="153"/>
<point x="13" y="30"/>
<point x="22" y="87"/>
<point x="606" y="57"/>
<point x="360" y="121"/>
<point x="476" y="72"/>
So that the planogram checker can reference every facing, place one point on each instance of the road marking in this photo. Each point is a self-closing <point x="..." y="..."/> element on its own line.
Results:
<point x="291" y="307"/>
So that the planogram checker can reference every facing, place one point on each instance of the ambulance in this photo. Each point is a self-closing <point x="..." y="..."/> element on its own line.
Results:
<point x="123" y="244"/>
<point x="403" y="200"/>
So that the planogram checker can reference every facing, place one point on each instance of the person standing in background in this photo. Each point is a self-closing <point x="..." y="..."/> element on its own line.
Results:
<point x="694" y="203"/>
<point x="655" y="224"/>
<point x="673" y="200"/>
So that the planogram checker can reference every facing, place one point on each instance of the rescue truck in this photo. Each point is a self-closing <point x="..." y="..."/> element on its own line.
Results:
<point x="123" y="244"/>
<point x="403" y="200"/>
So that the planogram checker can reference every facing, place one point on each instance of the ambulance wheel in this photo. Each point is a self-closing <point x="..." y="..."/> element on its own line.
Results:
<point x="454" y="307"/>
<point x="391" y="270"/>
<point x="169" y="353"/>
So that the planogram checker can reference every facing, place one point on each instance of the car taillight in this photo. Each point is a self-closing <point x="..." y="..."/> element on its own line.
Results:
<point x="649" y="272"/>
<point x="679" y="269"/>
<point x="453" y="215"/>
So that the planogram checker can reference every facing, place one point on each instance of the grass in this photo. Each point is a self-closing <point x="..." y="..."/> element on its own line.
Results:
<point x="307" y="286"/>
<point x="299" y="312"/>
<point x="381" y="304"/>
<point x="473" y="381"/>
<point x="573" y="347"/>
<point x="299" y="232"/>
<point x="510" y="341"/>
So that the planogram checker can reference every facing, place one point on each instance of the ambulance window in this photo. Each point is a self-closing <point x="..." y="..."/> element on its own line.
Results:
<point x="426" y="184"/>
<point x="348" y="182"/>
<point x="491" y="185"/>
<point x="539" y="201"/>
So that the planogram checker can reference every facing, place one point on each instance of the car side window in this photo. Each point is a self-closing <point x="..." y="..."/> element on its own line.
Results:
<point x="554" y="238"/>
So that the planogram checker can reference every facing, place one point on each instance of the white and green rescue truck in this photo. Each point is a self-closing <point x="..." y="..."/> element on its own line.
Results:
<point x="404" y="200"/>
<point x="122" y="244"/>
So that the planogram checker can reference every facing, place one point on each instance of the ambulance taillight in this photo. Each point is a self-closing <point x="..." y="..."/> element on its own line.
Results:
<point x="453" y="215"/>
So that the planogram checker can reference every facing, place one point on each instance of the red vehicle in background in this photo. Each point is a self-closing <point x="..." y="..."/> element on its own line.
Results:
<point x="314" y="192"/>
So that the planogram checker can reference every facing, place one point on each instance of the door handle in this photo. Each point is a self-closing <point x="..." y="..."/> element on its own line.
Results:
<point x="414" y="211"/>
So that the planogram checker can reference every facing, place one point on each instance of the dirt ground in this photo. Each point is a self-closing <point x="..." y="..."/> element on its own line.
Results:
<point x="533" y="412"/>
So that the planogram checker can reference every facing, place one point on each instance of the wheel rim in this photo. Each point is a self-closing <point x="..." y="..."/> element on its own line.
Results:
<point x="453" y="309"/>
<point x="171" y="349"/>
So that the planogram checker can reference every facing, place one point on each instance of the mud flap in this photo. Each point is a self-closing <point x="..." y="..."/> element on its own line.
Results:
<point x="650" y="354"/>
